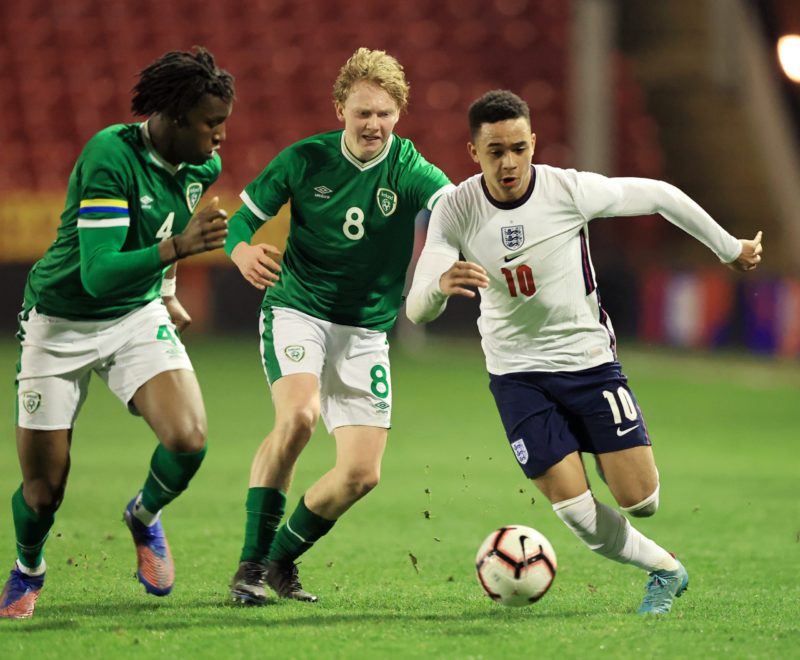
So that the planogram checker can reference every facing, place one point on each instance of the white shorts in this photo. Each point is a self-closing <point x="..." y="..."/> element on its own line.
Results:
<point x="57" y="357"/>
<point x="352" y="365"/>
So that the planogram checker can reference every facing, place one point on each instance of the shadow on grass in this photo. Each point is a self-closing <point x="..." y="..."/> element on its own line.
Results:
<point x="114" y="617"/>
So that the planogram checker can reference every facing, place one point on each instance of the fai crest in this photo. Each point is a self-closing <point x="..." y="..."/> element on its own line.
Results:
<point x="31" y="401"/>
<point x="194" y="191"/>
<point x="295" y="353"/>
<point x="513" y="237"/>
<point x="387" y="201"/>
<point x="520" y="451"/>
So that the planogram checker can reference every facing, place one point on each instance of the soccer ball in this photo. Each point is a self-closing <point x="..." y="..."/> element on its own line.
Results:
<point x="516" y="565"/>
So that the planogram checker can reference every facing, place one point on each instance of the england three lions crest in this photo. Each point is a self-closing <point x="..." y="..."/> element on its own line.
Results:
<point x="513" y="237"/>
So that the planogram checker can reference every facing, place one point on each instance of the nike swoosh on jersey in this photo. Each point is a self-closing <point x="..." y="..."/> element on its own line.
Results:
<point x="620" y="432"/>
<point x="511" y="257"/>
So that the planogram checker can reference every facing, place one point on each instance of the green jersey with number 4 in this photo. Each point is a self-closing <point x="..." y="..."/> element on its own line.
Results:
<point x="352" y="226"/>
<point x="122" y="200"/>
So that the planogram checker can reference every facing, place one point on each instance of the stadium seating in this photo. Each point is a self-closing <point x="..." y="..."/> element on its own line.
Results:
<point x="67" y="70"/>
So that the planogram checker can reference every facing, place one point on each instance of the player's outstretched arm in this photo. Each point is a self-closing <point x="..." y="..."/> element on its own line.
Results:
<point x="750" y="256"/>
<point x="205" y="231"/>
<point x="257" y="263"/>
<point x="462" y="274"/>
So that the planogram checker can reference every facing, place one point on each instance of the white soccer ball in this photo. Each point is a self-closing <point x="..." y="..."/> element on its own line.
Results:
<point x="516" y="565"/>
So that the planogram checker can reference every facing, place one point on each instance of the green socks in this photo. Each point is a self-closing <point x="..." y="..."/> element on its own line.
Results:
<point x="265" y="507"/>
<point x="300" y="532"/>
<point x="170" y="474"/>
<point x="32" y="530"/>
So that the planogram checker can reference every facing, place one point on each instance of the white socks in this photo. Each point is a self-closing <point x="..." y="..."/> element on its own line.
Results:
<point x="32" y="572"/>
<point x="609" y="533"/>
<point x="142" y="514"/>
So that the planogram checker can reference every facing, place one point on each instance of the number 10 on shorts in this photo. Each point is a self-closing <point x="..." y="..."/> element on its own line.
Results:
<point x="628" y="407"/>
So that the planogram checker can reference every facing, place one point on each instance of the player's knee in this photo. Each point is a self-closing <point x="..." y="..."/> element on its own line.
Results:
<point x="360" y="482"/>
<point x="646" y="508"/>
<point x="188" y="437"/>
<point x="44" y="496"/>
<point x="297" y="426"/>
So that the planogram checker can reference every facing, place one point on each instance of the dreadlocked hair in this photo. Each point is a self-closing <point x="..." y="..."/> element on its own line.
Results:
<point x="176" y="82"/>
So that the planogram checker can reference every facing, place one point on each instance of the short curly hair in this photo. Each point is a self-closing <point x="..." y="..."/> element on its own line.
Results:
<point x="176" y="81"/>
<point x="375" y="66"/>
<point x="496" y="105"/>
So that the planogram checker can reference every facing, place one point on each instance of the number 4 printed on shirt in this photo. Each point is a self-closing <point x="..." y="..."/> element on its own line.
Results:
<point x="165" y="230"/>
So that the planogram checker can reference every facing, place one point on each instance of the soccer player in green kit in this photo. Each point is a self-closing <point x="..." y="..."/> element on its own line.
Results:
<point x="354" y="196"/>
<point x="98" y="301"/>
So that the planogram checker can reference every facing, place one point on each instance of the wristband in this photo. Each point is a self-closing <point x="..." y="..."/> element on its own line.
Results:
<point x="178" y="255"/>
<point x="168" y="287"/>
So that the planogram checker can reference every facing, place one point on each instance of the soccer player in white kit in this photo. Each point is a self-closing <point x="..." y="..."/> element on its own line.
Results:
<point x="549" y="345"/>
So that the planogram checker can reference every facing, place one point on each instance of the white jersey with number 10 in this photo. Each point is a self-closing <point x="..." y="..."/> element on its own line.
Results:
<point x="541" y="310"/>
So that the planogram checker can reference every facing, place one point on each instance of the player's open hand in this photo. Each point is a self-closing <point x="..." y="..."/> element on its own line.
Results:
<point x="258" y="264"/>
<point x="750" y="256"/>
<point x="460" y="275"/>
<point x="206" y="231"/>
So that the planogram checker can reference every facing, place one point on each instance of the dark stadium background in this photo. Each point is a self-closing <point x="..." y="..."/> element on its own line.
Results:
<point x="686" y="91"/>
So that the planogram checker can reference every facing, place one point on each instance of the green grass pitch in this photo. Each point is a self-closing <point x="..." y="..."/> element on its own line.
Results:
<point x="725" y="431"/>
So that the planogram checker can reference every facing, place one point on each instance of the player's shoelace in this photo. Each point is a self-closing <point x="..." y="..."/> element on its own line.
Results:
<point x="253" y="573"/>
<point x="660" y="590"/>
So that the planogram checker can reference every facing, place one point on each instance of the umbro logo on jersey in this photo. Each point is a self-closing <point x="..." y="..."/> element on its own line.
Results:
<point x="513" y="237"/>
<point x="323" y="192"/>
<point x="146" y="201"/>
<point x="620" y="432"/>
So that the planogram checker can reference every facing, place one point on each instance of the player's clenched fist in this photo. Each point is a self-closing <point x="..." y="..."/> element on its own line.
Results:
<point x="257" y="263"/>
<point x="460" y="275"/>
<point x="206" y="231"/>
<point x="750" y="256"/>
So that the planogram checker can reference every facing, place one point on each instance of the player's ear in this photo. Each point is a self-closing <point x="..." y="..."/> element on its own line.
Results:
<point x="472" y="151"/>
<point x="533" y="142"/>
<point x="339" y="110"/>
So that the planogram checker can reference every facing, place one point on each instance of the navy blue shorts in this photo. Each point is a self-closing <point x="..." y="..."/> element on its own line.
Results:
<point x="550" y="415"/>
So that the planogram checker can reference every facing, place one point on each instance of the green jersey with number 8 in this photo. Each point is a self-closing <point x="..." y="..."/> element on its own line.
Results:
<point x="122" y="197"/>
<point x="352" y="226"/>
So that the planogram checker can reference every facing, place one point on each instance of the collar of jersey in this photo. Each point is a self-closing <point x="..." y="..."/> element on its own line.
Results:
<point x="372" y="162"/>
<point x="155" y="157"/>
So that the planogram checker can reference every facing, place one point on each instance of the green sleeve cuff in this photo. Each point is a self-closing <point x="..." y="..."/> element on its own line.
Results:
<point x="241" y="227"/>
